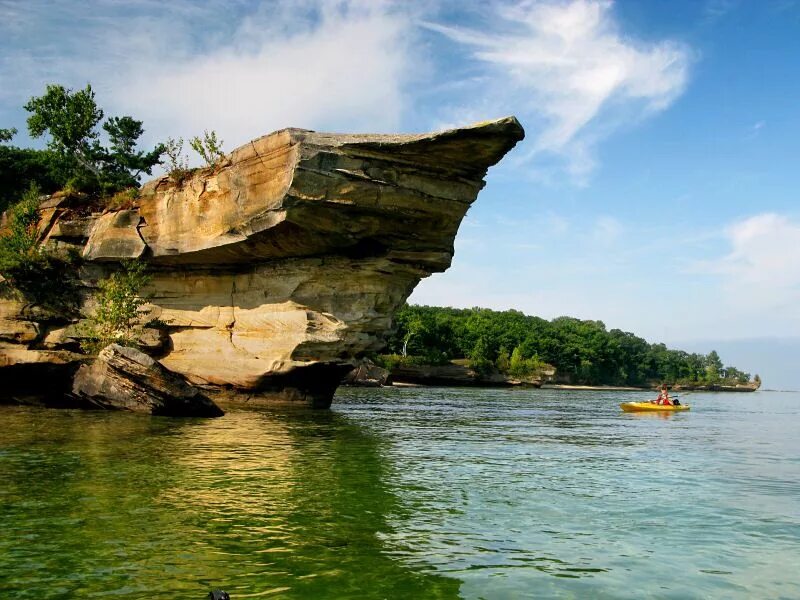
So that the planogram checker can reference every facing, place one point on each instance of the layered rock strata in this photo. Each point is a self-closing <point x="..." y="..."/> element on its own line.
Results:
<point x="127" y="379"/>
<point x="275" y="270"/>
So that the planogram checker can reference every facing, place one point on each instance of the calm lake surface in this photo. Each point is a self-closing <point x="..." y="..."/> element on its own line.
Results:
<point x="407" y="493"/>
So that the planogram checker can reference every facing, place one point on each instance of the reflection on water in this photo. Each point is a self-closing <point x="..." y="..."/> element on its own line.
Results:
<point x="653" y="415"/>
<point x="407" y="493"/>
<point x="259" y="503"/>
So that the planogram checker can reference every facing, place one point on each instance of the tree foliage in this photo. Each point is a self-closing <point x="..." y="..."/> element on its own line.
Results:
<point x="36" y="273"/>
<point x="119" y="311"/>
<point x="123" y="164"/>
<point x="176" y="161"/>
<point x="18" y="244"/>
<point x="71" y="119"/>
<point x="7" y="134"/>
<point x="22" y="167"/>
<point x="209" y="148"/>
<point x="582" y="351"/>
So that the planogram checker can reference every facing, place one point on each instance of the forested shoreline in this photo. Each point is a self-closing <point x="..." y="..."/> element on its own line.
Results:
<point x="582" y="352"/>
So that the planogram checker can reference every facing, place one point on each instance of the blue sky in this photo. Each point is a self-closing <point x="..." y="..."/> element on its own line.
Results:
<point x="657" y="188"/>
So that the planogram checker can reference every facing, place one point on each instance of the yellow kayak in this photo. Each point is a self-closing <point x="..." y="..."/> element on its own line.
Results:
<point x="649" y="406"/>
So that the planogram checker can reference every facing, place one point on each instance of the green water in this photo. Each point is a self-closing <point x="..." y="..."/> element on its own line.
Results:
<point x="407" y="493"/>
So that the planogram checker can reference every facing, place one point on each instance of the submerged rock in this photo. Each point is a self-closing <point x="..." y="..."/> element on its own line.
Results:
<point x="275" y="271"/>
<point x="126" y="379"/>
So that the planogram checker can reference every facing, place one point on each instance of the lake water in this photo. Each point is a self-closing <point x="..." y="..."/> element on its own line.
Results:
<point x="407" y="493"/>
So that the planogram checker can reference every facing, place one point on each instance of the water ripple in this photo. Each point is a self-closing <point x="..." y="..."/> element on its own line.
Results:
<point x="407" y="493"/>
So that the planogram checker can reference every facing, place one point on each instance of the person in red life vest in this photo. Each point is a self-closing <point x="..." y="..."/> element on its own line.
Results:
<point x="663" y="397"/>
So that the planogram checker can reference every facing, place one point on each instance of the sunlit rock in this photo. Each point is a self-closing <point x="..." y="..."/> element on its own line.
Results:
<point x="274" y="271"/>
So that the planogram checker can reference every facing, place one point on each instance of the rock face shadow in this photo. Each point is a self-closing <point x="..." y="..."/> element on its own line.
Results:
<point x="276" y="270"/>
<point x="259" y="500"/>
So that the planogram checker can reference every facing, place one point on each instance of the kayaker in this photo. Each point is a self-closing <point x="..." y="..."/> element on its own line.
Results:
<point x="663" y="397"/>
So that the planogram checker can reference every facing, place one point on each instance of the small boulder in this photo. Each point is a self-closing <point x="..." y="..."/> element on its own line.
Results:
<point x="127" y="379"/>
<point x="367" y="374"/>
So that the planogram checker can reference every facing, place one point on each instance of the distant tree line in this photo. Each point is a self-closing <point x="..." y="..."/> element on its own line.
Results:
<point x="583" y="352"/>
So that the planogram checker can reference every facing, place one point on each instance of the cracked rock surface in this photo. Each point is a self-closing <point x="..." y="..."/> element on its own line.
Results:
<point x="127" y="379"/>
<point x="276" y="270"/>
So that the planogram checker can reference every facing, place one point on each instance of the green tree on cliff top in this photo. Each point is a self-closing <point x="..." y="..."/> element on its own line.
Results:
<point x="71" y="119"/>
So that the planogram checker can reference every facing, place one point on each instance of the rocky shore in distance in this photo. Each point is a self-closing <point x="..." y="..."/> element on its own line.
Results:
<point x="750" y="386"/>
<point x="457" y="373"/>
<point x="743" y="387"/>
<point x="460" y="374"/>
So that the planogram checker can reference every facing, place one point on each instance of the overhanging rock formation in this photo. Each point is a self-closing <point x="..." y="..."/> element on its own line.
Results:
<point x="275" y="270"/>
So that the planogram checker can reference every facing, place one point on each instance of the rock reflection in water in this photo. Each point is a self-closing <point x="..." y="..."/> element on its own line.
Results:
<point x="291" y="503"/>
<point x="407" y="493"/>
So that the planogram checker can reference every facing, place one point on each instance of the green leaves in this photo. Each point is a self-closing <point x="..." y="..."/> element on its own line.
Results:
<point x="209" y="148"/>
<point x="7" y="134"/>
<point x="583" y="351"/>
<point x="119" y="308"/>
<point x="21" y="167"/>
<point x="122" y="163"/>
<point x="177" y="163"/>
<point x="18" y="247"/>
<point x="521" y="367"/>
<point x="33" y="271"/>
<point x="123" y="133"/>
<point x="71" y="119"/>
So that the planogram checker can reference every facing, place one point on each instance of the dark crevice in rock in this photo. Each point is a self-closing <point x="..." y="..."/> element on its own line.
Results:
<point x="39" y="384"/>
<point x="302" y="244"/>
<point x="314" y="384"/>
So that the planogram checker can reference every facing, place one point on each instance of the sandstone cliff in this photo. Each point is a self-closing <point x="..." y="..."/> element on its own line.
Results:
<point x="274" y="271"/>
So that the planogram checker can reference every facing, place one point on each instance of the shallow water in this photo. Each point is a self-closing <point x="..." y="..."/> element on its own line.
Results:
<point x="407" y="493"/>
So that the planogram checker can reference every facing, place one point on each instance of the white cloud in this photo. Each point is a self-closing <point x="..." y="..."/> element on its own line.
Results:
<point x="755" y="129"/>
<point x="760" y="275"/>
<point x="765" y="251"/>
<point x="245" y="68"/>
<point x="347" y="71"/>
<point x="568" y="66"/>
<point x="242" y="69"/>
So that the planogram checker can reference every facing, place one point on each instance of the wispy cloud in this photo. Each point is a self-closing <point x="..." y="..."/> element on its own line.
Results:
<point x="568" y="68"/>
<point x="764" y="251"/>
<point x="346" y="70"/>
<point x="183" y="68"/>
<point x="716" y="9"/>
<point x="761" y="272"/>
<point x="246" y="67"/>
<point x="755" y="129"/>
